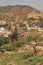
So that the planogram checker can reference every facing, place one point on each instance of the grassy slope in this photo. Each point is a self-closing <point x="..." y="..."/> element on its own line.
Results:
<point x="23" y="58"/>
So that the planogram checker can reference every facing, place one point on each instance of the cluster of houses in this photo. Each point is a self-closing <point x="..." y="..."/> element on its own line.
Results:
<point x="3" y="31"/>
<point x="33" y="27"/>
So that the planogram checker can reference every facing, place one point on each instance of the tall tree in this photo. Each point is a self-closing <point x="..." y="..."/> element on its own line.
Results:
<point x="15" y="34"/>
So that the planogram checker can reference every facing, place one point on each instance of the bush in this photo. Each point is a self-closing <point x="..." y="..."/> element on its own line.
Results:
<point x="22" y="25"/>
<point x="31" y="19"/>
<point x="15" y="45"/>
<point x="27" y="54"/>
<point x="8" y="48"/>
<point x="29" y="39"/>
<point x="4" y="40"/>
<point x="19" y="43"/>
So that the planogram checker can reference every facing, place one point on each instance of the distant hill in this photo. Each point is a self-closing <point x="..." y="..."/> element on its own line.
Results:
<point x="16" y="13"/>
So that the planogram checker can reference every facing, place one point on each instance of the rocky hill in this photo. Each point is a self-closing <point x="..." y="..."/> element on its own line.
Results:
<point x="17" y="13"/>
<point x="25" y="16"/>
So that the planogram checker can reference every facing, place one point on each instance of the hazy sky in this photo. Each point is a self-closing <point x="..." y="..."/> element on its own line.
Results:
<point x="34" y="3"/>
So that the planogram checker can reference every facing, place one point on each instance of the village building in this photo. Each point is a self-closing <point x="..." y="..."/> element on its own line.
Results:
<point x="3" y="30"/>
<point x="3" y="23"/>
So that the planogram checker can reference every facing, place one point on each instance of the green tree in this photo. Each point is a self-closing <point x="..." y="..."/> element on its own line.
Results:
<point x="14" y="36"/>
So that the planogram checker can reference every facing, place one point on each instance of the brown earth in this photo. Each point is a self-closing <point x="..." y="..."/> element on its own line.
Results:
<point x="11" y="63"/>
<point x="40" y="63"/>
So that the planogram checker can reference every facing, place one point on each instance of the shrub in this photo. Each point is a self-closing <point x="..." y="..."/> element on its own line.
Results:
<point x="18" y="44"/>
<point x="27" y="54"/>
<point x="4" y="40"/>
<point x="29" y="39"/>
<point x="15" y="45"/>
<point x="22" y="25"/>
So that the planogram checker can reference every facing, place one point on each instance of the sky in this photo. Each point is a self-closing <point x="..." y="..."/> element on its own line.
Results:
<point x="38" y="4"/>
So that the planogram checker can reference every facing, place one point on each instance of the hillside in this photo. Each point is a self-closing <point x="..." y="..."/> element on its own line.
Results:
<point x="25" y="18"/>
<point x="16" y="13"/>
<point x="21" y="35"/>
